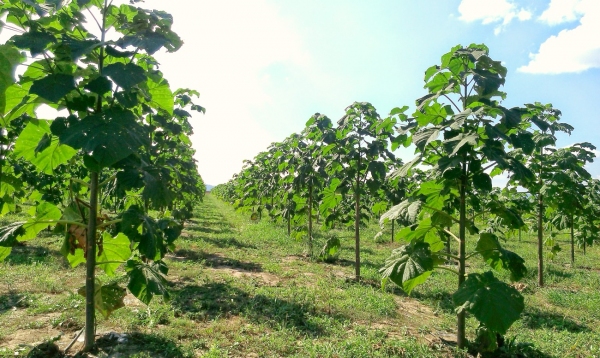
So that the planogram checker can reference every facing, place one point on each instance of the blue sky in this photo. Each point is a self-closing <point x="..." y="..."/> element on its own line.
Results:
<point x="263" y="67"/>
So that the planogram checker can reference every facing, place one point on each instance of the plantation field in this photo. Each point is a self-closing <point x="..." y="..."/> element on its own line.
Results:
<point x="245" y="289"/>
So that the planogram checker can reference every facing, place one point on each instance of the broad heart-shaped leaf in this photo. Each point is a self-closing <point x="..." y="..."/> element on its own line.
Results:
<point x="114" y="250"/>
<point x="145" y="280"/>
<point x="409" y="265"/>
<point x="461" y="140"/>
<point x="99" y="85"/>
<point x="10" y="57"/>
<point x="109" y="137"/>
<point x="500" y="259"/>
<point x="44" y="213"/>
<point x="107" y="298"/>
<point x="53" y="87"/>
<point x="425" y="136"/>
<point x="162" y="97"/>
<point x="156" y="186"/>
<point x="494" y="303"/>
<point x="4" y="252"/>
<point x="125" y="75"/>
<point x="54" y="154"/>
<point x="145" y="230"/>
<point x="10" y="233"/>
<point x="330" y="249"/>
<point x="35" y="41"/>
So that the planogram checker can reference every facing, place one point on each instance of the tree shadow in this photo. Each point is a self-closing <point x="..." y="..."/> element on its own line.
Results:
<point x="132" y="344"/>
<point x="12" y="299"/>
<point x="220" y="300"/>
<point x="24" y="254"/>
<point x="534" y="318"/>
<point x="550" y="271"/>
<point x="362" y="250"/>
<point x="441" y="298"/>
<point x="228" y="242"/>
<point x="213" y="260"/>
<point x="346" y="263"/>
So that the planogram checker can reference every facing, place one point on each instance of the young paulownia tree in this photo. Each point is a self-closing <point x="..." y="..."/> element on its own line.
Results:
<point x="461" y="132"/>
<point x="93" y="59"/>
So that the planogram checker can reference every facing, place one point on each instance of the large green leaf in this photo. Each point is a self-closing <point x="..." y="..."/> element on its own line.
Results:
<point x="10" y="57"/>
<point x="161" y="95"/>
<point x="143" y="229"/>
<point x="500" y="259"/>
<point x="114" y="250"/>
<point x="4" y="252"/>
<point x="125" y="75"/>
<point x="35" y="41"/>
<point x="109" y="137"/>
<point x="493" y="302"/>
<point x="53" y="87"/>
<point x="409" y="265"/>
<point x="9" y="234"/>
<point x="34" y="137"/>
<point x="44" y="214"/>
<point x="145" y="280"/>
<point x="107" y="298"/>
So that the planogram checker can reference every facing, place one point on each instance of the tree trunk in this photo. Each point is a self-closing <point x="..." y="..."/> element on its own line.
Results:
<point x="572" y="243"/>
<point x="460" y="324"/>
<point x="519" y="234"/>
<point x="357" y="224"/>
<point x="289" y="224"/>
<point x="393" y="230"/>
<point x="90" y="317"/>
<point x="540" y="241"/>
<point x="310" y="243"/>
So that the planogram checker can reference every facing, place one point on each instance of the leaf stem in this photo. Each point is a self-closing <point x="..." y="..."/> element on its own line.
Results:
<point x="108" y="223"/>
<point x="448" y="269"/>
<point x="452" y="235"/>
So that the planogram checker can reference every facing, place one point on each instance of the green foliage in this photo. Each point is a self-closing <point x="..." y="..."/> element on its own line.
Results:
<point x="494" y="303"/>
<point x="126" y="137"/>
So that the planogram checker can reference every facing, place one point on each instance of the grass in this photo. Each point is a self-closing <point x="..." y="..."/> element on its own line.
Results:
<point x="245" y="289"/>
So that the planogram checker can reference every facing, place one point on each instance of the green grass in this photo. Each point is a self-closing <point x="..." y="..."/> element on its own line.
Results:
<point x="245" y="289"/>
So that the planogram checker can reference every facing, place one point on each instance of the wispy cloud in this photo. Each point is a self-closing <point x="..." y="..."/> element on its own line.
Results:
<point x="571" y="50"/>
<point x="492" y="12"/>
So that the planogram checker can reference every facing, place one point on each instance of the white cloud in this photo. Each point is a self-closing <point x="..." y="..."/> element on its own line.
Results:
<point x="560" y="11"/>
<point x="571" y="50"/>
<point x="492" y="11"/>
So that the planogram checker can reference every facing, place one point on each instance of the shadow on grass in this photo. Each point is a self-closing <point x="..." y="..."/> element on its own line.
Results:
<point x="550" y="271"/>
<point x="227" y="243"/>
<point x="221" y="300"/>
<point x="512" y="349"/>
<point x="362" y="250"/>
<point x="441" y="299"/>
<point x="533" y="318"/>
<point x="12" y="299"/>
<point x="213" y="260"/>
<point x="346" y="263"/>
<point x="25" y="254"/>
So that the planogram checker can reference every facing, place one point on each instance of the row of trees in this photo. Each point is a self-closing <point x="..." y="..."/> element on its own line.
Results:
<point x="463" y="137"/>
<point x="119" y="148"/>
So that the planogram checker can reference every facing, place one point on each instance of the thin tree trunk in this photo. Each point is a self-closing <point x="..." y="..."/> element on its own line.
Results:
<point x="393" y="230"/>
<point x="540" y="241"/>
<point x="289" y="224"/>
<point x="90" y="317"/>
<point x="519" y="234"/>
<point x="310" y="243"/>
<point x="357" y="224"/>
<point x="572" y="243"/>
<point x="460" y="324"/>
